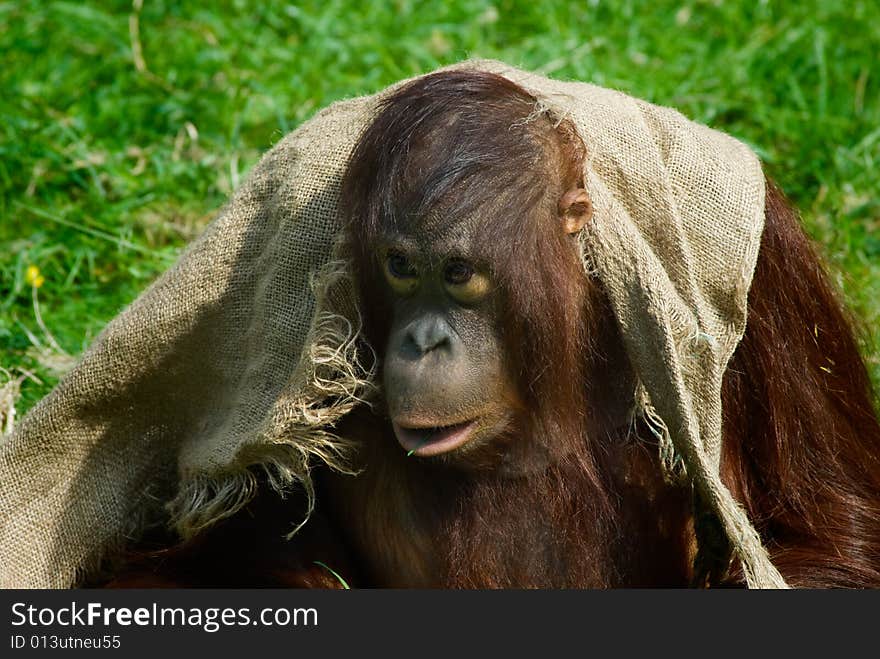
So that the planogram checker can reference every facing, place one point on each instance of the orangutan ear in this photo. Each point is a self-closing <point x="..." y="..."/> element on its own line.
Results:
<point x="575" y="210"/>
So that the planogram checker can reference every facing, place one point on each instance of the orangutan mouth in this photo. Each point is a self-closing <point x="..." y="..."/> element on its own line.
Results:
<point x="426" y="441"/>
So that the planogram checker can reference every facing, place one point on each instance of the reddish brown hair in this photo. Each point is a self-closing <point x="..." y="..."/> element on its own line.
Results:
<point x="802" y="441"/>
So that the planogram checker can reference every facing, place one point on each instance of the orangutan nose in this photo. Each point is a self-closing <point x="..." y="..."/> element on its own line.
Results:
<point x="428" y="334"/>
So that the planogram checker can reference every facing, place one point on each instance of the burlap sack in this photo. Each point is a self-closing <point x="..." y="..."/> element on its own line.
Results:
<point x="241" y="357"/>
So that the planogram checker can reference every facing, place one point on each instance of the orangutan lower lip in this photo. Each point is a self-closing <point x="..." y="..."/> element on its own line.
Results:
<point x="427" y="441"/>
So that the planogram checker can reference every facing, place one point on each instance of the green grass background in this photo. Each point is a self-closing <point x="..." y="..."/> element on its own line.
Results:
<point x="123" y="129"/>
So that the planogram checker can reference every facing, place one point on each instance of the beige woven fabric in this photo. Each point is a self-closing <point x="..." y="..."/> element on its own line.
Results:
<point x="227" y="363"/>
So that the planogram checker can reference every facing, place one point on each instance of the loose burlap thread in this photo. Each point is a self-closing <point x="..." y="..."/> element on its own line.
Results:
<point x="243" y="356"/>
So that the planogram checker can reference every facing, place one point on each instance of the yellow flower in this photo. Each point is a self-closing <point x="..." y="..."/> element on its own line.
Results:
<point x="33" y="277"/>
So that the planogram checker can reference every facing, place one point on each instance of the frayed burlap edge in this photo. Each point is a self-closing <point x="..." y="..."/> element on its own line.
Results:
<point x="330" y="380"/>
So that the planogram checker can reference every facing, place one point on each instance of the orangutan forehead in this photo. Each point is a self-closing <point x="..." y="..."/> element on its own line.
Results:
<point x="467" y="222"/>
<point x="461" y="176"/>
<point x="490" y="202"/>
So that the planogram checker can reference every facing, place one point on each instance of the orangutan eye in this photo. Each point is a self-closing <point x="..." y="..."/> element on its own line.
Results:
<point x="399" y="266"/>
<point x="464" y="283"/>
<point x="400" y="272"/>
<point x="458" y="272"/>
